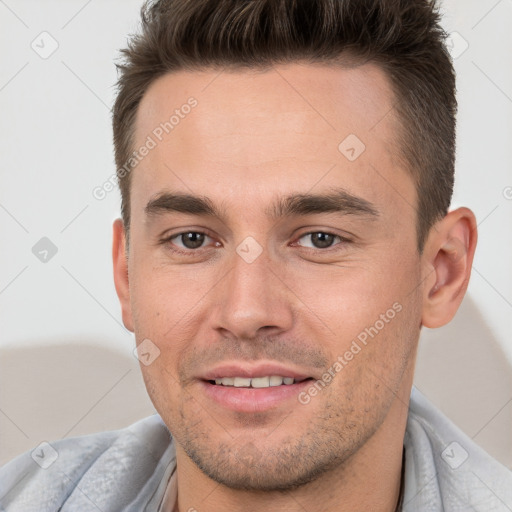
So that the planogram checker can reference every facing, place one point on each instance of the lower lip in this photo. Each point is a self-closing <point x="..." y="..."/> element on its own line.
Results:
<point x="253" y="399"/>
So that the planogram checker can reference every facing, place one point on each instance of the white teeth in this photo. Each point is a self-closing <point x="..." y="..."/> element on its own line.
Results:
<point x="256" y="382"/>
<point x="242" y="382"/>
<point x="260" y="382"/>
<point x="276" y="381"/>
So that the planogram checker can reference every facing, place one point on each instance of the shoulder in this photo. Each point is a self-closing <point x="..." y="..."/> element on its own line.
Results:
<point x="445" y="467"/>
<point x="86" y="468"/>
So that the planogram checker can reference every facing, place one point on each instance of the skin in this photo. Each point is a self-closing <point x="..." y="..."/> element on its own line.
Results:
<point x="254" y="137"/>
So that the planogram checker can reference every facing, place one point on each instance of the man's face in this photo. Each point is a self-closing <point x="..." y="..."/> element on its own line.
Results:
<point x="267" y="281"/>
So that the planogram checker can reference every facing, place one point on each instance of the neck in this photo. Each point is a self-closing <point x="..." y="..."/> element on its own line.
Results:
<point x="369" y="480"/>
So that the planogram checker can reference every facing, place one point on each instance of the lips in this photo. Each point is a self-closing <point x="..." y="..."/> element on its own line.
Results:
<point x="250" y="388"/>
<point x="252" y="373"/>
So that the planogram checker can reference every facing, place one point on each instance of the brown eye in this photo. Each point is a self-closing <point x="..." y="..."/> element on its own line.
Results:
<point x="190" y="240"/>
<point x="318" y="240"/>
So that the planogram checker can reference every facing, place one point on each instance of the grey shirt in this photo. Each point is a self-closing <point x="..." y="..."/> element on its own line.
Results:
<point x="133" y="469"/>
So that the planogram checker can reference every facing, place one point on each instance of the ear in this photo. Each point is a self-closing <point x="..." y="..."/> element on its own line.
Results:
<point x="447" y="260"/>
<point x="121" y="278"/>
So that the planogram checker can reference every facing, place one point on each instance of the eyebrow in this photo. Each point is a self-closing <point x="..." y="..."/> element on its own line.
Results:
<point x="181" y="203"/>
<point x="337" y="201"/>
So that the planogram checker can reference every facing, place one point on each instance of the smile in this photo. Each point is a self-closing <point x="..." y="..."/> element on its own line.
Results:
<point x="255" y="382"/>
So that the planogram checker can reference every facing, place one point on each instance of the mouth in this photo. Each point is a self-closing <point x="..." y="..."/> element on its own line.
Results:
<point x="251" y="389"/>
<point x="257" y="382"/>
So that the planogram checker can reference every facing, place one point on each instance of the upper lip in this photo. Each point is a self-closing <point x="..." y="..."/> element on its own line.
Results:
<point x="250" y="371"/>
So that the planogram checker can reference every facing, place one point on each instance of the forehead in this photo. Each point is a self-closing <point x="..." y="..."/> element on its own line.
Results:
<point x="296" y="126"/>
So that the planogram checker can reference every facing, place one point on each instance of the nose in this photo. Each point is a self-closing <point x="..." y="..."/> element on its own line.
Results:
<point x="252" y="299"/>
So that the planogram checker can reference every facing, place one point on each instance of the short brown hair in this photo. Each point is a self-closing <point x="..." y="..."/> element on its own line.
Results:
<point x="403" y="37"/>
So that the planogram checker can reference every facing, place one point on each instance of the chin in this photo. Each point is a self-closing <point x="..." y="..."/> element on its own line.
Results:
<point x="247" y="468"/>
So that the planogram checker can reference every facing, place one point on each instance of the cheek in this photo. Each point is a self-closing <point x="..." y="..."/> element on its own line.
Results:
<point x="345" y="301"/>
<point x="370" y="356"/>
<point x="168" y="309"/>
<point x="164" y="299"/>
<point x="342" y="304"/>
<point x="162" y="387"/>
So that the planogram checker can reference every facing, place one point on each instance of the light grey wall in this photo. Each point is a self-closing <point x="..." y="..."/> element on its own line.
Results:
<point x="67" y="362"/>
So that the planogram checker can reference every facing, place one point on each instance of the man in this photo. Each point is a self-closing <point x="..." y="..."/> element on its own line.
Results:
<point x="286" y="169"/>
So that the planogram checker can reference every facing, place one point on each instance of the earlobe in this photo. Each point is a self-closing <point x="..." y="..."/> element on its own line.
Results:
<point x="448" y="259"/>
<point x="121" y="276"/>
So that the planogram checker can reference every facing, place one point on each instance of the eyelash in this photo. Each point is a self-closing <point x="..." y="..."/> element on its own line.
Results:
<point x="342" y="241"/>
<point x="185" y="252"/>
<point x="191" y="252"/>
